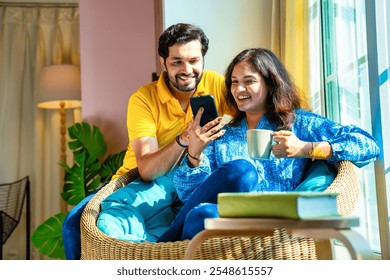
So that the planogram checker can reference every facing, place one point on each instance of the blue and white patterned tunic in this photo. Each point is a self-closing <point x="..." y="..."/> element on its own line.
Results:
<point x="280" y="174"/>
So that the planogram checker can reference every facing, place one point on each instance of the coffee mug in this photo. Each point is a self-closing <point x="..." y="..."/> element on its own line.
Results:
<point x="259" y="143"/>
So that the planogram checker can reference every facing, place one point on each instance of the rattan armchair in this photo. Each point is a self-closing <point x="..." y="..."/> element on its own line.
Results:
<point x="97" y="245"/>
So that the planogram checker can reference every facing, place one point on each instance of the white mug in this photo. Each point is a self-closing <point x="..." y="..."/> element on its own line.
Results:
<point x="259" y="143"/>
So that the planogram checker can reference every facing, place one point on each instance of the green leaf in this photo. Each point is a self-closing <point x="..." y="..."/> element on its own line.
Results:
<point x="111" y="165"/>
<point x="73" y="190"/>
<point x="82" y="178"/>
<point x="86" y="138"/>
<point x="47" y="238"/>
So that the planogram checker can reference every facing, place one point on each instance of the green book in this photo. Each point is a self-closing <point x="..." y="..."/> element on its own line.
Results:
<point x="294" y="205"/>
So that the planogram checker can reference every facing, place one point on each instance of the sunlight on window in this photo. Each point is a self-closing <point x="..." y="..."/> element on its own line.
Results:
<point x="338" y="36"/>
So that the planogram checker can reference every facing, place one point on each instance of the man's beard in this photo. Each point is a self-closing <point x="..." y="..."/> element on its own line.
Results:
<point x="185" y="88"/>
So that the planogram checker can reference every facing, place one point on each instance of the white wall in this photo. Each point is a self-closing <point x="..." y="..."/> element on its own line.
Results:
<point x="231" y="25"/>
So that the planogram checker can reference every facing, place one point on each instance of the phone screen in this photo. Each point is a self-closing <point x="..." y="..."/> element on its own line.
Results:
<point x="207" y="102"/>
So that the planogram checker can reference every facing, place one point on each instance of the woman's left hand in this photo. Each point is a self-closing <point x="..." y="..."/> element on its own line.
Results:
<point x="288" y="145"/>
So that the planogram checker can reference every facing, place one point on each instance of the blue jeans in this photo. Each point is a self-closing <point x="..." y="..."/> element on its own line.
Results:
<point x="71" y="232"/>
<point x="235" y="176"/>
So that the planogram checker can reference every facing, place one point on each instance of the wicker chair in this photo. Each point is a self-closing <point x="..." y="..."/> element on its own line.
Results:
<point x="97" y="245"/>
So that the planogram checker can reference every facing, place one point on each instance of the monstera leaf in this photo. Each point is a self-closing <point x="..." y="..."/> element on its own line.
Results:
<point x="47" y="238"/>
<point x="110" y="166"/>
<point x="87" y="138"/>
<point x="81" y="179"/>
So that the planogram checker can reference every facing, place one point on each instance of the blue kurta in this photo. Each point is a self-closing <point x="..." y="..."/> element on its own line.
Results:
<point x="279" y="174"/>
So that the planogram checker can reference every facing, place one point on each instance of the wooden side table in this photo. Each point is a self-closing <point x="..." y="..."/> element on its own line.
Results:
<point x="326" y="228"/>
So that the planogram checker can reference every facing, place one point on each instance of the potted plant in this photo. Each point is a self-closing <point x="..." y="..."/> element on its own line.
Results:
<point x="81" y="179"/>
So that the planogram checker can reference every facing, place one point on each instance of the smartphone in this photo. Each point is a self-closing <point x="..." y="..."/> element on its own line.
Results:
<point x="210" y="109"/>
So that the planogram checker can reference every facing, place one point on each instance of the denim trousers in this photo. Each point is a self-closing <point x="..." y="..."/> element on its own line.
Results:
<point x="235" y="176"/>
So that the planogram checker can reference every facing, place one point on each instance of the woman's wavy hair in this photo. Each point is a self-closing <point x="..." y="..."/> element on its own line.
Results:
<point x="181" y="33"/>
<point x="282" y="97"/>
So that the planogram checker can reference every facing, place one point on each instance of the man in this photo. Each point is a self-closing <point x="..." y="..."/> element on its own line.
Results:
<point x="158" y="114"/>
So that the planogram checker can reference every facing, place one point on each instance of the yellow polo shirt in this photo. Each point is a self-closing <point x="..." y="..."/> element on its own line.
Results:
<point x="153" y="111"/>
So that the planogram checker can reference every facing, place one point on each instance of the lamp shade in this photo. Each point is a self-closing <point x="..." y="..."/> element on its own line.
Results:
<point x="59" y="83"/>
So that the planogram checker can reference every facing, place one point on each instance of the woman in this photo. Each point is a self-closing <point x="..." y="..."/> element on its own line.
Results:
<point x="264" y="97"/>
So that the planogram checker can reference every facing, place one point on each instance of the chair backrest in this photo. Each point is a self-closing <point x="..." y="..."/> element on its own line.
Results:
<point x="12" y="196"/>
<point x="347" y="185"/>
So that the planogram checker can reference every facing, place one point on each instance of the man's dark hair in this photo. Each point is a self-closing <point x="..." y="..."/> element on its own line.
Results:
<point x="181" y="33"/>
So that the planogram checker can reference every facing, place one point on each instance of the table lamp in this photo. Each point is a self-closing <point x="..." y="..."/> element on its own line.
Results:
<point x="60" y="89"/>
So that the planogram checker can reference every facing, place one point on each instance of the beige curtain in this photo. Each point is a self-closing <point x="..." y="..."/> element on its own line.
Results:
<point x="32" y="37"/>
<point x="289" y="40"/>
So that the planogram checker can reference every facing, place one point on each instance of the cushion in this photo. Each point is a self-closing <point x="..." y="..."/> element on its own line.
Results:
<point x="125" y="222"/>
<point x="140" y="211"/>
<point x="318" y="177"/>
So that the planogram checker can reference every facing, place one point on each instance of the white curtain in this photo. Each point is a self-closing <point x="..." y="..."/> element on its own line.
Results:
<point x="32" y="37"/>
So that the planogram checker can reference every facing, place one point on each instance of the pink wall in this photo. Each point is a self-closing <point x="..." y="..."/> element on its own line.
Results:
<point x="118" y="48"/>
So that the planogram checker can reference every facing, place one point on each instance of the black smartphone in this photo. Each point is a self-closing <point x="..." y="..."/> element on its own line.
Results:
<point x="210" y="109"/>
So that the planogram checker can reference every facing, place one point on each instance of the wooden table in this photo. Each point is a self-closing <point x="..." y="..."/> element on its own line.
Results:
<point x="327" y="228"/>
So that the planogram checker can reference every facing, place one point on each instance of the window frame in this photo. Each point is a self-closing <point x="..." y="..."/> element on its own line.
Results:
<point x="332" y="109"/>
<point x="376" y="121"/>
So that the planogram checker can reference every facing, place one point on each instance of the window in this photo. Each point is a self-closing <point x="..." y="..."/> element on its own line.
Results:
<point x="353" y="65"/>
